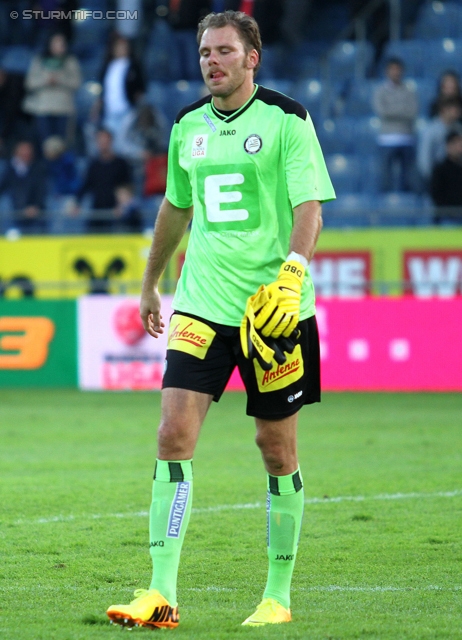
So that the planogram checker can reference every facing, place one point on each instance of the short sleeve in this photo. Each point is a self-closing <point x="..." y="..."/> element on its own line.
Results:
<point x="306" y="172"/>
<point x="178" y="191"/>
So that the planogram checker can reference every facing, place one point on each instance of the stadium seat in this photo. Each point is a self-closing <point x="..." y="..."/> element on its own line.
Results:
<point x="283" y="86"/>
<point x="411" y="52"/>
<point x="349" y="210"/>
<point x="425" y="89"/>
<point x="85" y="97"/>
<point x="439" y="20"/>
<point x="358" y="99"/>
<point x="337" y="136"/>
<point x="312" y="94"/>
<point x="161" y="59"/>
<point x="366" y="130"/>
<point x="89" y="37"/>
<point x="157" y="95"/>
<point x="17" y="59"/>
<point x="442" y="55"/>
<point x="350" y="59"/>
<point x="345" y="172"/>
<point x="182" y="93"/>
<point x="399" y="209"/>
<point x="301" y="61"/>
<point x="149" y="209"/>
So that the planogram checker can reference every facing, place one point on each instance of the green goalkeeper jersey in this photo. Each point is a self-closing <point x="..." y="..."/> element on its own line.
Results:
<point x="244" y="173"/>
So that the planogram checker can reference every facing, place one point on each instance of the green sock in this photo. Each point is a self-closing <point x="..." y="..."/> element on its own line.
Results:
<point x="168" y="521"/>
<point x="285" y="512"/>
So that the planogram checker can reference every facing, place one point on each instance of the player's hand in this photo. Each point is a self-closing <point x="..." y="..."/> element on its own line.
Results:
<point x="151" y="318"/>
<point x="280" y="314"/>
<point x="254" y="345"/>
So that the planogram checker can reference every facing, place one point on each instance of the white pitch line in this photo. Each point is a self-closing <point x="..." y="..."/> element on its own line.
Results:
<point x="249" y="505"/>
<point x="332" y="588"/>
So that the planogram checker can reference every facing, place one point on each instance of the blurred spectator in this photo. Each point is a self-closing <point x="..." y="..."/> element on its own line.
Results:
<point x="14" y="123"/>
<point x="432" y="138"/>
<point x="397" y="107"/>
<point x="123" y="87"/>
<point x="104" y="174"/>
<point x="446" y="184"/>
<point x="274" y="16"/>
<point x="184" y="16"/>
<point x="155" y="173"/>
<point x="63" y="180"/>
<point x="51" y="83"/>
<point x="52" y="22"/>
<point x="129" y="27"/>
<point x="127" y="211"/>
<point x="24" y="182"/>
<point x="448" y="87"/>
<point x="145" y="130"/>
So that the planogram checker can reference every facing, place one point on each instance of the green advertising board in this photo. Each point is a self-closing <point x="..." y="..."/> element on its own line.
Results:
<point x="38" y="343"/>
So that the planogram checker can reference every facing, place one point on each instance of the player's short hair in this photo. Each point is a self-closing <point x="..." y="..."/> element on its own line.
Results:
<point x="246" y="27"/>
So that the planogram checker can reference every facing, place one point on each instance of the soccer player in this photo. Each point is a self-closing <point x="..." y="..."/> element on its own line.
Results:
<point x="247" y="162"/>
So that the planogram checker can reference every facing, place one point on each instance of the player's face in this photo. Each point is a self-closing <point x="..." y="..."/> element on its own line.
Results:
<point x="225" y="65"/>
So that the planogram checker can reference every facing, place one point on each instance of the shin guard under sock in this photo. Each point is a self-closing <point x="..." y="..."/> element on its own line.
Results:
<point x="285" y="504"/>
<point x="168" y="521"/>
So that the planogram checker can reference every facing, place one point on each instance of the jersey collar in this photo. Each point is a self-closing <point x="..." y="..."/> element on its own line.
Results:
<point x="238" y="112"/>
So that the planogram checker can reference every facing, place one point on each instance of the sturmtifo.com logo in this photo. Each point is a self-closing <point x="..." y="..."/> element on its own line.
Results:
<point x="75" y="14"/>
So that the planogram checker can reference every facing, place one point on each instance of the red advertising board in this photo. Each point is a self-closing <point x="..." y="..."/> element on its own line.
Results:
<point x="389" y="345"/>
<point x="433" y="273"/>
<point x="341" y="274"/>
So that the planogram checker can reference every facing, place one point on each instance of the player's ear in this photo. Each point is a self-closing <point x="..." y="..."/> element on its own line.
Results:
<point x="252" y="59"/>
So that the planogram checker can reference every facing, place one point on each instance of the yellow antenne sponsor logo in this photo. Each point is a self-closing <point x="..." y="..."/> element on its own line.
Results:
<point x="282" y="371"/>
<point x="281" y="375"/>
<point x="190" y="335"/>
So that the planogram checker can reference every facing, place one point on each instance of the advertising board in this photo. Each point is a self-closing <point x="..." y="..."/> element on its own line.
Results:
<point x="38" y="343"/>
<point x="115" y="352"/>
<point x="367" y="344"/>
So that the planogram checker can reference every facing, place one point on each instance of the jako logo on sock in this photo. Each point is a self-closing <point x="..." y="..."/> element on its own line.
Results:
<point x="177" y="510"/>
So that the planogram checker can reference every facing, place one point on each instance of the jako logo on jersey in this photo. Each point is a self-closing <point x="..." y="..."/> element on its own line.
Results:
<point x="178" y="510"/>
<point x="253" y="144"/>
<point x="228" y="132"/>
<point x="199" y="146"/>
<point x="190" y="336"/>
<point x="282" y="375"/>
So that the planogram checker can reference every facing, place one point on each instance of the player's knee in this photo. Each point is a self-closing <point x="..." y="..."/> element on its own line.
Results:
<point x="273" y="453"/>
<point x="173" y="440"/>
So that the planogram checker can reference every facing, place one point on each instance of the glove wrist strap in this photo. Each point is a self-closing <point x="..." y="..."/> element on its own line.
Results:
<point x="293" y="255"/>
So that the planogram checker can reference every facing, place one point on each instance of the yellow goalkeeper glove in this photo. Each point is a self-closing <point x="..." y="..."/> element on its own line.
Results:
<point x="279" y="315"/>
<point x="254" y="345"/>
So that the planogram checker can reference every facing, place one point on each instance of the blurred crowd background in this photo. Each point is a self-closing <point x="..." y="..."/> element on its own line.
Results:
<point x="87" y="105"/>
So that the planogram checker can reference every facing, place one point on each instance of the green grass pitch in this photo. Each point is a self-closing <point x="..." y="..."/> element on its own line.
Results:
<point x="380" y="554"/>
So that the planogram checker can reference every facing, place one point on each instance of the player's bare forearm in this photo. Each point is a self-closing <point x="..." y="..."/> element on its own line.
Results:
<point x="307" y="227"/>
<point x="171" y="225"/>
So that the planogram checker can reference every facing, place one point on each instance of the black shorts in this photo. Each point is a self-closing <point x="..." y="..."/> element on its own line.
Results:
<point x="201" y="356"/>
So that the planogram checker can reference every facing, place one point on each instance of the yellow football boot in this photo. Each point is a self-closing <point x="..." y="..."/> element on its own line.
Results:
<point x="148" y="609"/>
<point x="269" y="611"/>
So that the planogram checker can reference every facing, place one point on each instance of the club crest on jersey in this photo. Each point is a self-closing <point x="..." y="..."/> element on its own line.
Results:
<point x="253" y="144"/>
<point x="199" y="146"/>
